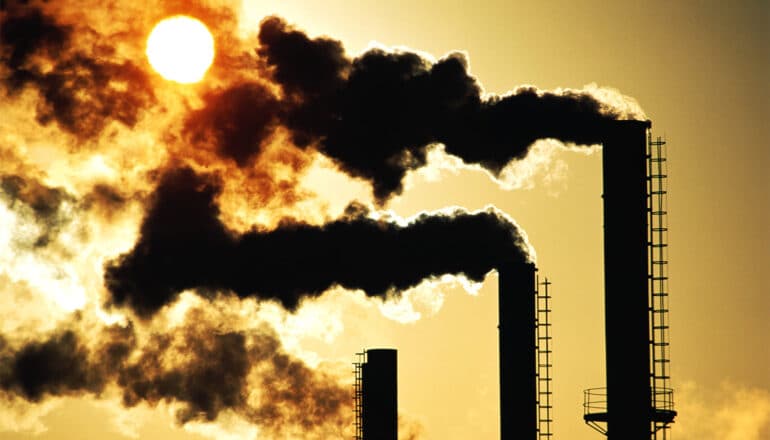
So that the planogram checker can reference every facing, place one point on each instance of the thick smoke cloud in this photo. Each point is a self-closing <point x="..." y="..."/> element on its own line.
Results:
<point x="235" y="123"/>
<point x="202" y="369"/>
<point x="57" y="366"/>
<point x="376" y="114"/>
<point x="183" y="245"/>
<point x="81" y="88"/>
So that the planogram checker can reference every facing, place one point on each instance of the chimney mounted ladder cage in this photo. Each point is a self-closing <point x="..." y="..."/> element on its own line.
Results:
<point x="662" y="412"/>
<point x="660" y="370"/>
<point x="358" y="395"/>
<point x="543" y="349"/>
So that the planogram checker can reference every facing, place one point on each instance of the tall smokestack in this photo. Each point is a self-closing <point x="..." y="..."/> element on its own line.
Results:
<point x="518" y="399"/>
<point x="626" y="281"/>
<point x="379" y="411"/>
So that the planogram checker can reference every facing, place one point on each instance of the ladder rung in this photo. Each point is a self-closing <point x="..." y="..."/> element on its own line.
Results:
<point x="660" y="327"/>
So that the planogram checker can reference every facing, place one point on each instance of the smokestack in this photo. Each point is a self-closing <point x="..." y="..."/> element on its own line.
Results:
<point x="626" y="281"/>
<point x="379" y="395"/>
<point x="518" y="374"/>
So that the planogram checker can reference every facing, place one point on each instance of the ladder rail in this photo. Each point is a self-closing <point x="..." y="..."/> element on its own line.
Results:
<point x="544" y="366"/>
<point x="657" y="174"/>
<point x="358" y="395"/>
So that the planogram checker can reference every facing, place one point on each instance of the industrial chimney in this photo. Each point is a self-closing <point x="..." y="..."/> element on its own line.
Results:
<point x="629" y="405"/>
<point x="518" y="374"/>
<point x="624" y="162"/>
<point x="376" y="395"/>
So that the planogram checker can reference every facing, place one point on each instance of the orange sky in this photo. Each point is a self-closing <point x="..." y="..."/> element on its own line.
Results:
<point x="698" y="69"/>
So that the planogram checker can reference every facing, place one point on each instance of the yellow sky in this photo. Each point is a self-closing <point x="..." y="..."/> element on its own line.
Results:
<point x="699" y="70"/>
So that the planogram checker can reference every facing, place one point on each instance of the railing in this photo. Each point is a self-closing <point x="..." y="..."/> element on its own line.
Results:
<point x="595" y="401"/>
<point x="595" y="408"/>
<point x="663" y="399"/>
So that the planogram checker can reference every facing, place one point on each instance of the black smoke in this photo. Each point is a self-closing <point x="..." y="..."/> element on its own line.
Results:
<point x="202" y="369"/>
<point x="57" y="366"/>
<point x="183" y="245"/>
<point x="376" y="114"/>
<point x="82" y="88"/>
<point x="235" y="122"/>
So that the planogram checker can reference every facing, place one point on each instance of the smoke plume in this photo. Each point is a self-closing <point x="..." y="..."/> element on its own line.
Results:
<point x="183" y="245"/>
<point x="376" y="114"/>
<point x="197" y="366"/>
<point x="83" y="89"/>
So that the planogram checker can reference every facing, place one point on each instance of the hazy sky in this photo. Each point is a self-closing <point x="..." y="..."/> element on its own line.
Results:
<point x="698" y="69"/>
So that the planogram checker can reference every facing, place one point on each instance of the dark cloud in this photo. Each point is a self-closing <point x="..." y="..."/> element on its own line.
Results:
<point x="376" y="114"/>
<point x="184" y="245"/>
<point x="82" y="89"/>
<point x="203" y="369"/>
<point x="58" y="366"/>
<point x="25" y="32"/>
<point x="235" y="122"/>
<point x="181" y="239"/>
<point x="305" y="68"/>
<point x="83" y="94"/>
<point x="105" y="197"/>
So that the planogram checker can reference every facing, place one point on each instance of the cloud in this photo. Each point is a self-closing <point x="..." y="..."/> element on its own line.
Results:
<point x="730" y="411"/>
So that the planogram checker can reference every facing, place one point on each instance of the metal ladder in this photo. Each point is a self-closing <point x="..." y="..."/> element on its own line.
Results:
<point x="358" y="395"/>
<point x="660" y="374"/>
<point x="543" y="349"/>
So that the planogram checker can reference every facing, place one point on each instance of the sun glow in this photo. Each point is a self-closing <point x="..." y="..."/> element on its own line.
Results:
<point x="181" y="49"/>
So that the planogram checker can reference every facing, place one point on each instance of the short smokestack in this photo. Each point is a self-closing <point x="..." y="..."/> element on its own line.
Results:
<point x="379" y="395"/>
<point x="518" y="373"/>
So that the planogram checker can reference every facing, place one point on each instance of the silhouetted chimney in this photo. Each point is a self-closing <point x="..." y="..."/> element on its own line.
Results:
<point x="379" y="412"/>
<point x="518" y="374"/>
<point x="626" y="299"/>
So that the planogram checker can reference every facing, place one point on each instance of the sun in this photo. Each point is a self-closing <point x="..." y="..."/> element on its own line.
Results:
<point x="181" y="49"/>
